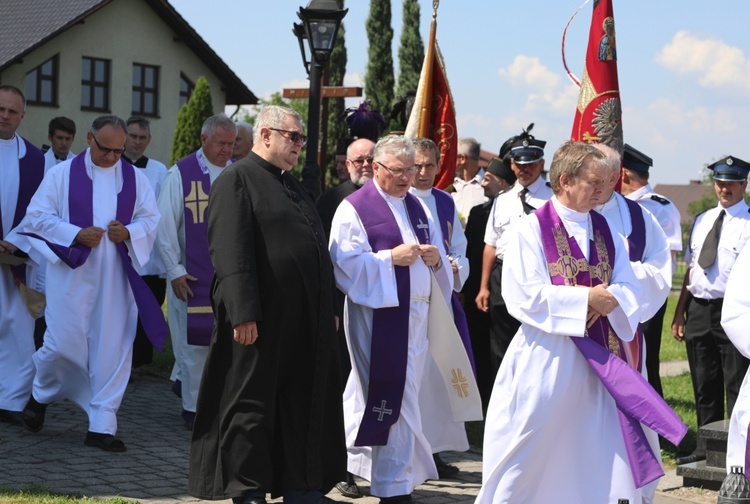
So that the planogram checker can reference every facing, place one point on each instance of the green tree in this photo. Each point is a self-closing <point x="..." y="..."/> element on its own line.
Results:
<point x="411" y="51"/>
<point x="379" y="80"/>
<point x="337" y="130"/>
<point x="299" y="105"/>
<point x="187" y="134"/>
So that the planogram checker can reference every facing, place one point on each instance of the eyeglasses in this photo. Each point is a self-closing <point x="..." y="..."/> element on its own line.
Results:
<point x="397" y="172"/>
<point x="106" y="150"/>
<point x="294" y="136"/>
<point x="361" y="161"/>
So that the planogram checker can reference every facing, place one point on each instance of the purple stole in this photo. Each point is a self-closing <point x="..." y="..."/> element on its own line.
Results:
<point x="390" y="326"/>
<point x="636" y="400"/>
<point x="81" y="210"/>
<point x="30" y="175"/>
<point x="196" y="184"/>
<point x="445" y="212"/>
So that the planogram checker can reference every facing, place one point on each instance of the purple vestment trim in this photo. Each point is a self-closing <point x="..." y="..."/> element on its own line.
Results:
<point x="81" y="210"/>
<point x="446" y="209"/>
<point x="637" y="402"/>
<point x="390" y="326"/>
<point x="30" y="174"/>
<point x="196" y="184"/>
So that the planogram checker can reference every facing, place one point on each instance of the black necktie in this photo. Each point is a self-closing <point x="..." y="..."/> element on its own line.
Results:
<point x="708" y="252"/>
<point x="526" y="207"/>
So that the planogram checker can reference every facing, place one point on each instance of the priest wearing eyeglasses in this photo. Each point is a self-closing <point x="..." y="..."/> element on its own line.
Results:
<point x="183" y="248"/>
<point x="384" y="244"/>
<point x="94" y="218"/>
<point x="269" y="417"/>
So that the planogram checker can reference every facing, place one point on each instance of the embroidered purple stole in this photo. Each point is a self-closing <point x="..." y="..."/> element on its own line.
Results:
<point x="445" y="211"/>
<point x="30" y="175"/>
<point x="636" y="249"/>
<point x="81" y="210"/>
<point x="196" y="184"/>
<point x="390" y="326"/>
<point x="636" y="400"/>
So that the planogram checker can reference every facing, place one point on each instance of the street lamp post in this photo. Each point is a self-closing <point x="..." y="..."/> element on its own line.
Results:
<point x="320" y="24"/>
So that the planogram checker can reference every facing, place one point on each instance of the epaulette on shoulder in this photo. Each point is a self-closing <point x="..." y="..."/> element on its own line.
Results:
<point x="663" y="201"/>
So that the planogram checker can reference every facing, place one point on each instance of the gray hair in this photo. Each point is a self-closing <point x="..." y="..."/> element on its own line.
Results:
<point x="108" y="120"/>
<point x="272" y="116"/>
<point x="470" y="148"/>
<point x="395" y="145"/>
<point x="613" y="157"/>
<point x="571" y="159"/>
<point x="216" y="121"/>
<point x="246" y="126"/>
<point x="425" y="144"/>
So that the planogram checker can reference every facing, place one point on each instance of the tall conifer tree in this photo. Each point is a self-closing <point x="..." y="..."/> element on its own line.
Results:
<point x="411" y="50"/>
<point x="190" y="119"/>
<point x="379" y="80"/>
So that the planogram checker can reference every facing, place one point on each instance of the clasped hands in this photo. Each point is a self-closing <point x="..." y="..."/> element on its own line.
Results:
<point x="91" y="236"/>
<point x="406" y="255"/>
<point x="601" y="303"/>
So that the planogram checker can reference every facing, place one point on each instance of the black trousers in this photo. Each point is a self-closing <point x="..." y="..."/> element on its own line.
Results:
<point x="652" y="336"/>
<point x="143" y="350"/>
<point x="479" y="333"/>
<point x="504" y="326"/>
<point x="715" y="364"/>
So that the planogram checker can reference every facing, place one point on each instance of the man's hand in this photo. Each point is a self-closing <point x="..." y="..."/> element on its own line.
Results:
<point x="246" y="333"/>
<point x="90" y="236"/>
<point x="678" y="326"/>
<point x="601" y="301"/>
<point x="181" y="288"/>
<point x="405" y="255"/>
<point x="117" y="232"/>
<point x="7" y="247"/>
<point x="483" y="300"/>
<point x="430" y="254"/>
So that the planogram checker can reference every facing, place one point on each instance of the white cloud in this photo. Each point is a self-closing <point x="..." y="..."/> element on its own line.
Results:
<point x="527" y="71"/>
<point x="713" y="62"/>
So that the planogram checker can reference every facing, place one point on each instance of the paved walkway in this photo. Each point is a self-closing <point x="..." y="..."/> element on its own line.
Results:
<point x="154" y="469"/>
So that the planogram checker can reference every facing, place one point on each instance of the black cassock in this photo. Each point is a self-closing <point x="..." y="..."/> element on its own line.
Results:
<point x="269" y="415"/>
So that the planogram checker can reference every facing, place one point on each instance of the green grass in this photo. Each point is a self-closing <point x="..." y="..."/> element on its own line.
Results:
<point x="40" y="495"/>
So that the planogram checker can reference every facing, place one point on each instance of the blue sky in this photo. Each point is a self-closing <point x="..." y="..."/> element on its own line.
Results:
<point x="684" y="67"/>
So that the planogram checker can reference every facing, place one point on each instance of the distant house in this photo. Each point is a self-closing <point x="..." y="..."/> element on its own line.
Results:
<point x="84" y="58"/>
<point x="683" y="195"/>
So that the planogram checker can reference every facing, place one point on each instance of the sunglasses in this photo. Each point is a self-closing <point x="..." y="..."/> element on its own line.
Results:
<point x="294" y="136"/>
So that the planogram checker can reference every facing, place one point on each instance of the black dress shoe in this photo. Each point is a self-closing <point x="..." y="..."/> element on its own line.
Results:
<point x="33" y="415"/>
<point x="347" y="489"/>
<point x="444" y="470"/>
<point x="689" y="459"/>
<point x="106" y="442"/>
<point x="11" y="417"/>
<point x="177" y="388"/>
<point x="397" y="499"/>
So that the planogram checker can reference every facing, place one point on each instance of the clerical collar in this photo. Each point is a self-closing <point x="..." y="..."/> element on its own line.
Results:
<point x="386" y="195"/>
<point x="19" y="144"/>
<point x="269" y="167"/>
<point x="607" y="203"/>
<point x="140" y="163"/>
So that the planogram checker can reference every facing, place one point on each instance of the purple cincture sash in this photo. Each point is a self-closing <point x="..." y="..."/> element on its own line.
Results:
<point x="81" y="210"/>
<point x="390" y="326"/>
<point x="445" y="211"/>
<point x="196" y="184"/>
<point x="637" y="402"/>
<point x="30" y="175"/>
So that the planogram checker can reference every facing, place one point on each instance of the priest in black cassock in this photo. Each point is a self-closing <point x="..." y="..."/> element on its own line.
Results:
<point x="269" y="414"/>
